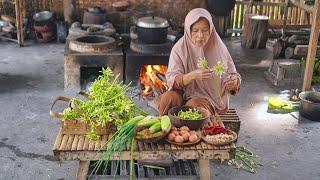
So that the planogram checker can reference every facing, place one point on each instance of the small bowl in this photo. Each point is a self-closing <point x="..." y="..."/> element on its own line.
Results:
<point x="192" y="124"/>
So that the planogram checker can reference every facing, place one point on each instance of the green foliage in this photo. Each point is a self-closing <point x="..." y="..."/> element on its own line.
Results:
<point x="107" y="103"/>
<point x="316" y="70"/>
<point x="117" y="143"/>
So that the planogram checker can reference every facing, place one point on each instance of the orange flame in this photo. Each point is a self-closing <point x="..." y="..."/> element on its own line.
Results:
<point x="150" y="82"/>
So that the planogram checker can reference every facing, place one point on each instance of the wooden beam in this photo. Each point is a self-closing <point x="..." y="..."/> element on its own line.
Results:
<point x="285" y="19"/>
<point x="303" y="50"/>
<point x="18" y="21"/>
<point x="68" y="10"/>
<point x="205" y="170"/>
<point x="312" y="46"/>
<point x="83" y="170"/>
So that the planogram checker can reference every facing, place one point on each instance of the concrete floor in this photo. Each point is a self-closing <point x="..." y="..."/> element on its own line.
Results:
<point x="32" y="76"/>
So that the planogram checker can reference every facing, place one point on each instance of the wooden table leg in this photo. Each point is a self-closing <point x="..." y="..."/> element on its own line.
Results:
<point x="205" y="170"/>
<point x="83" y="170"/>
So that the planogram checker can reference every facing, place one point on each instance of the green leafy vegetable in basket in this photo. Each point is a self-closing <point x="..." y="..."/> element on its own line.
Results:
<point x="191" y="114"/>
<point x="107" y="103"/>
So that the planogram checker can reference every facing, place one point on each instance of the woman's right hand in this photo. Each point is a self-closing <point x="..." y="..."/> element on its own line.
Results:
<point x="199" y="74"/>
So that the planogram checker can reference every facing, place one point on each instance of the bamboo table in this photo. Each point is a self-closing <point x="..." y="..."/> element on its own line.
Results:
<point x="78" y="147"/>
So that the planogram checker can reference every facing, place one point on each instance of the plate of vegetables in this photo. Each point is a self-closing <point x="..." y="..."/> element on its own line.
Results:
<point x="218" y="135"/>
<point x="192" y="117"/>
<point x="152" y="128"/>
<point x="183" y="136"/>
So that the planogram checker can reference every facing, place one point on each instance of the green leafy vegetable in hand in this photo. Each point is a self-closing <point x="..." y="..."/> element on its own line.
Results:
<point x="203" y="63"/>
<point x="191" y="114"/>
<point x="216" y="70"/>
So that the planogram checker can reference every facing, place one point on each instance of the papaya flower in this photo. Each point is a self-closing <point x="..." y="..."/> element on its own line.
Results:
<point x="203" y="63"/>
<point x="217" y="70"/>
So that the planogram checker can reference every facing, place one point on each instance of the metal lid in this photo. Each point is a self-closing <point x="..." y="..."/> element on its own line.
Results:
<point x="42" y="16"/>
<point x="152" y="22"/>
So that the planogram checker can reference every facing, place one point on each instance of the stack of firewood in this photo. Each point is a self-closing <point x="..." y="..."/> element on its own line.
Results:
<point x="293" y="47"/>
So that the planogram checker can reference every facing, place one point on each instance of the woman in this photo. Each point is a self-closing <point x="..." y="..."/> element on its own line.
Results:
<point x="190" y="85"/>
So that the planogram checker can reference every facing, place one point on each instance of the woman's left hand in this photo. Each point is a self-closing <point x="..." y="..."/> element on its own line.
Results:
<point x="232" y="84"/>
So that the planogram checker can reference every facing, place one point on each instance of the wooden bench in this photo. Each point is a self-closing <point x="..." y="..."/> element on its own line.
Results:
<point x="79" y="148"/>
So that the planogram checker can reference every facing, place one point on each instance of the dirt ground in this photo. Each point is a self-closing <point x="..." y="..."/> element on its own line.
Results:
<point x="32" y="76"/>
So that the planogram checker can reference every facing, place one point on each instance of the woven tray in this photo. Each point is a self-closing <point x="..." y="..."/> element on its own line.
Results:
<point x="220" y="143"/>
<point x="162" y="135"/>
<point x="186" y="144"/>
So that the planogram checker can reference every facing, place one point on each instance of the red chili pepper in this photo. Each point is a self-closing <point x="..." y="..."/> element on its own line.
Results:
<point x="213" y="130"/>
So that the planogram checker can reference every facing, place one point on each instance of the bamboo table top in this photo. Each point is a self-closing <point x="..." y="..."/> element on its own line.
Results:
<point x="78" y="147"/>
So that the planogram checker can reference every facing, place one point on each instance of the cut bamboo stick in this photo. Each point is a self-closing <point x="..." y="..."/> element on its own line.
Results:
<point x="69" y="143"/>
<point x="75" y="143"/>
<point x="64" y="142"/>
<point x="80" y="143"/>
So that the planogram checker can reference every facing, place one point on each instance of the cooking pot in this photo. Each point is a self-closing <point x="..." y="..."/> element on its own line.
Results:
<point x="97" y="10"/>
<point x="219" y="7"/>
<point x="42" y="17"/>
<point x="310" y="105"/>
<point x="95" y="15"/>
<point x="152" y="30"/>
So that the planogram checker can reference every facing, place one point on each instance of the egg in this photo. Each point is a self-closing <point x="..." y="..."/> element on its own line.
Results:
<point x="193" y="138"/>
<point x="182" y="132"/>
<point x="171" y="137"/>
<point x="178" y="139"/>
<point x="192" y="132"/>
<point x="175" y="132"/>
<point x="185" y="137"/>
<point x="184" y="128"/>
<point x="173" y="128"/>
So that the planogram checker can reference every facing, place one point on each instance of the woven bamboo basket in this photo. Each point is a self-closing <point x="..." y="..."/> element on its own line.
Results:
<point x="77" y="126"/>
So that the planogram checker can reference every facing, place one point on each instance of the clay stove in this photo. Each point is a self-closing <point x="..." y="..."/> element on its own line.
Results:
<point x="86" y="55"/>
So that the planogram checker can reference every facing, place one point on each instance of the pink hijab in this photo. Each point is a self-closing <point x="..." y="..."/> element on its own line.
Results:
<point x="184" y="58"/>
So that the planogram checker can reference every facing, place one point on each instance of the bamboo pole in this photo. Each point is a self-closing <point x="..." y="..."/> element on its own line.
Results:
<point x="289" y="14"/>
<point x="281" y="12"/>
<point x="18" y="21"/>
<point x="275" y="11"/>
<point x="303" y="21"/>
<point x="241" y="15"/>
<point x="267" y="10"/>
<point x="232" y="18"/>
<point x="312" y="46"/>
<point x="237" y="16"/>
<point x="285" y="16"/>
<point x="271" y="12"/>
<point x="298" y="16"/>
<point x="249" y="7"/>
<point x="22" y="9"/>
<point x="68" y="10"/>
